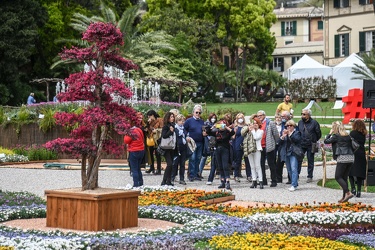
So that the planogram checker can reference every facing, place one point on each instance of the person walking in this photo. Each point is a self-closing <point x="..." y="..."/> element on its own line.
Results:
<point x="136" y="150"/>
<point x="286" y="105"/>
<point x="311" y="133"/>
<point x="153" y="129"/>
<point x="343" y="154"/>
<point x="269" y="140"/>
<point x="223" y="136"/>
<point x="168" y="130"/>
<point x="252" y="148"/>
<point x="194" y="127"/>
<point x="290" y="143"/>
<point x="357" y="172"/>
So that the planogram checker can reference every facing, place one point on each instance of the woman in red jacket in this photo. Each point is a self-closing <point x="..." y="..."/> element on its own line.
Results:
<point x="136" y="148"/>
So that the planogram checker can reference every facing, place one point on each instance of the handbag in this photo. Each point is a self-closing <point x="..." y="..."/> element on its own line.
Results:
<point x="168" y="143"/>
<point x="297" y="152"/>
<point x="150" y="142"/>
<point x="314" y="147"/>
<point x="355" y="144"/>
<point x="160" y="150"/>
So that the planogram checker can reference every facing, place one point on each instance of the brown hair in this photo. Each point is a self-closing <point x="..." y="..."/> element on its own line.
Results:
<point x="359" y="126"/>
<point x="255" y="119"/>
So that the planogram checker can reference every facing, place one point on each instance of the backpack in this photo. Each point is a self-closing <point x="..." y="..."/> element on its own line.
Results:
<point x="249" y="145"/>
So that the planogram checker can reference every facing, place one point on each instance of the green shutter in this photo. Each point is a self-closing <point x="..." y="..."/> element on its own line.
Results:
<point x="362" y="41"/>
<point x="294" y="28"/>
<point x="282" y="28"/>
<point x="320" y="25"/>
<point x="337" y="46"/>
<point x="346" y="44"/>
<point x="282" y="64"/>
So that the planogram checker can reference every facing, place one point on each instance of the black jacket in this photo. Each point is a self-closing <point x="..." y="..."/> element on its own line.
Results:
<point x="341" y="145"/>
<point x="310" y="132"/>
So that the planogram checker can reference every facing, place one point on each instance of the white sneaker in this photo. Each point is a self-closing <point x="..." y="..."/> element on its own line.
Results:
<point x="291" y="189"/>
<point x="209" y="183"/>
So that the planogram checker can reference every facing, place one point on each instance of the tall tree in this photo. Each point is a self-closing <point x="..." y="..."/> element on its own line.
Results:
<point x="19" y="23"/>
<point x="90" y="135"/>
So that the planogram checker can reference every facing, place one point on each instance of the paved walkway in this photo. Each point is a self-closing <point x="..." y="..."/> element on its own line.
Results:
<point x="36" y="179"/>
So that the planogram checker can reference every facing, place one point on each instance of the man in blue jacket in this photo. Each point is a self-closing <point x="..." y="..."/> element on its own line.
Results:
<point x="194" y="127"/>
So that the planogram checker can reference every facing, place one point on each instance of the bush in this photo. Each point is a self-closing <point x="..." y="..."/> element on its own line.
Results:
<point x="36" y="153"/>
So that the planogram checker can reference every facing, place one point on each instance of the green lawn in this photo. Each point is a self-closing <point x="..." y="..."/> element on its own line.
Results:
<point x="332" y="183"/>
<point x="270" y="107"/>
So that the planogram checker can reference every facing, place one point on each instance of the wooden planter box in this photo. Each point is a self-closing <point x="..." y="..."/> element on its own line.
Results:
<point x="92" y="210"/>
<point x="220" y="200"/>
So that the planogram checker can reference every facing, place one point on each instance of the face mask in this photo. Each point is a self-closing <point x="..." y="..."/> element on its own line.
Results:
<point x="240" y="120"/>
<point x="213" y="120"/>
<point x="283" y="120"/>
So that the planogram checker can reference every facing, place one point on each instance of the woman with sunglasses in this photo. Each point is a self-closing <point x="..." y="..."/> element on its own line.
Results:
<point x="290" y="142"/>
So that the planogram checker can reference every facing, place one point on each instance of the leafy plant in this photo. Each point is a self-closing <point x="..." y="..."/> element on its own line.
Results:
<point x="36" y="153"/>
<point x="48" y="121"/>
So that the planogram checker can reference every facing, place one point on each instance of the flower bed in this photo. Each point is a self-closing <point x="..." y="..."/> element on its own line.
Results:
<point x="206" y="226"/>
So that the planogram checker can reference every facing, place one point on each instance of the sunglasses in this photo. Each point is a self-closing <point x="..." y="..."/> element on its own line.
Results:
<point x="303" y="114"/>
<point x="289" y="126"/>
<point x="198" y="112"/>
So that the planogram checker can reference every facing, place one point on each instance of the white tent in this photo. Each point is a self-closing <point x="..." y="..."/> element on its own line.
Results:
<point x="343" y="75"/>
<point x="308" y="67"/>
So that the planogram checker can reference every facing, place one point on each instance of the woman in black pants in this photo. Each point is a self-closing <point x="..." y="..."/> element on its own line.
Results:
<point x="167" y="131"/>
<point x="358" y="171"/>
<point x="343" y="154"/>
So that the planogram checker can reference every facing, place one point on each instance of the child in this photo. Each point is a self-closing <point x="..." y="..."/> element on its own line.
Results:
<point x="182" y="149"/>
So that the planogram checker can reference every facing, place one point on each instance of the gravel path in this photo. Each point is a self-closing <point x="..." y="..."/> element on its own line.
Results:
<point x="35" y="179"/>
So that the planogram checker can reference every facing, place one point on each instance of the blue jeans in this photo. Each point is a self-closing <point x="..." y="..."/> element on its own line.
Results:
<point x="222" y="159"/>
<point x="202" y="164"/>
<point x="195" y="160"/>
<point x="292" y="167"/>
<point x="310" y="162"/>
<point x="135" y="160"/>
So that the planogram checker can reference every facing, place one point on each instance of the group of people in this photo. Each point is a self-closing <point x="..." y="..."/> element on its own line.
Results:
<point x="230" y="141"/>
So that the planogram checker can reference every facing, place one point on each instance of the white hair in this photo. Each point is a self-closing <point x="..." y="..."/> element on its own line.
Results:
<point x="198" y="106"/>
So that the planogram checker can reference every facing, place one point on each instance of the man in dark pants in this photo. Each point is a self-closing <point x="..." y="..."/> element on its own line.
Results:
<point x="269" y="141"/>
<point x="311" y="133"/>
<point x="285" y="116"/>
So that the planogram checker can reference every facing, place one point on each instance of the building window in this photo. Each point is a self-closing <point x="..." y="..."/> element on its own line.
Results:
<point x="366" y="41"/>
<point x="295" y="59"/>
<point x="278" y="64"/>
<point x="226" y="62"/>
<point x="340" y="3"/>
<point x="342" y="45"/>
<point x="364" y="2"/>
<point x="289" y="28"/>
<point x="288" y="42"/>
<point x="320" y="25"/>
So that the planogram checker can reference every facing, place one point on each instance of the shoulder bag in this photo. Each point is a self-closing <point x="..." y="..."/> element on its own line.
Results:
<point x="355" y="144"/>
<point x="168" y="143"/>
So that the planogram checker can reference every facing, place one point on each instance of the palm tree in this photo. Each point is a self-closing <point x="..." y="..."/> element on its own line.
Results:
<point x="141" y="48"/>
<point x="366" y="72"/>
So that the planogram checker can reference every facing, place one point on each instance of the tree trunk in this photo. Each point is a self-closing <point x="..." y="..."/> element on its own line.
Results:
<point x="94" y="161"/>
<point x="243" y="69"/>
